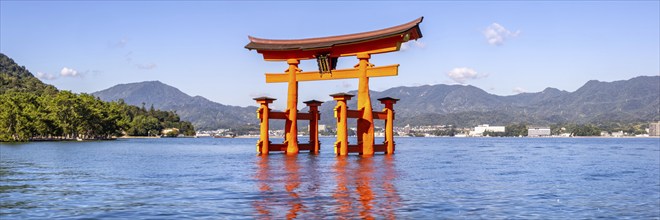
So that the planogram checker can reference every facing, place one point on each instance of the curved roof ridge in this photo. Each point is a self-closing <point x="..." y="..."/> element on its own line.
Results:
<point x="398" y="28"/>
<point x="318" y="42"/>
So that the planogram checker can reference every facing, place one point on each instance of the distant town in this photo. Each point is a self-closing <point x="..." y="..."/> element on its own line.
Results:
<point x="484" y="130"/>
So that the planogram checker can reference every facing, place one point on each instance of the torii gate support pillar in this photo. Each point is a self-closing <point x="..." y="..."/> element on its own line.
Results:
<point x="341" y="113"/>
<point x="263" y="115"/>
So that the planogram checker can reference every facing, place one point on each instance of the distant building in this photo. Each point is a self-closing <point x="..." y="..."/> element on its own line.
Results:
<point x="654" y="129"/>
<point x="406" y="129"/>
<point x="618" y="134"/>
<point x="170" y="131"/>
<point x="479" y="130"/>
<point x="203" y="135"/>
<point x="321" y="127"/>
<point x="537" y="131"/>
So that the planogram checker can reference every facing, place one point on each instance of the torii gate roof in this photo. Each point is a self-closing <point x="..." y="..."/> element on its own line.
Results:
<point x="378" y="41"/>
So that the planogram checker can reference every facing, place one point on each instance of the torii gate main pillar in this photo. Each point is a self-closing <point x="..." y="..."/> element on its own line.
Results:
<point x="291" y="123"/>
<point x="365" y="124"/>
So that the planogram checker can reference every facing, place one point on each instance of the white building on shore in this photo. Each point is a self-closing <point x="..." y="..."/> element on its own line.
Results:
<point x="654" y="129"/>
<point x="479" y="130"/>
<point x="538" y="131"/>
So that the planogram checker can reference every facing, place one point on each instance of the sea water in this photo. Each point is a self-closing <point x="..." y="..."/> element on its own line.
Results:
<point x="454" y="178"/>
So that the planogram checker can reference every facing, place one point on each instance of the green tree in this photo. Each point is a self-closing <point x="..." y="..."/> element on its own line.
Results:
<point x="516" y="130"/>
<point x="30" y="109"/>
<point x="18" y="112"/>
<point x="67" y="111"/>
<point x="585" y="130"/>
<point x="143" y="125"/>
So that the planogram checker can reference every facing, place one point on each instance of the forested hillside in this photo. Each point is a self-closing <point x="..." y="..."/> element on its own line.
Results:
<point x="15" y="78"/>
<point x="32" y="110"/>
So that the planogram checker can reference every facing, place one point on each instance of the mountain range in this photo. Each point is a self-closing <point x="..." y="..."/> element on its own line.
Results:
<point x="633" y="100"/>
<point x="203" y="113"/>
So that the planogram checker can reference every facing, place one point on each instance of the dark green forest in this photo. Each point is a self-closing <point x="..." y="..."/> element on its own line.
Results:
<point x="32" y="110"/>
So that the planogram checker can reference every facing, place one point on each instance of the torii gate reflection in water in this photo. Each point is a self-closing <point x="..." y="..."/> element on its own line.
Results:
<point x="327" y="50"/>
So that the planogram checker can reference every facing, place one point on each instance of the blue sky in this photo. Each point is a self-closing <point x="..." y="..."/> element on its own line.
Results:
<point x="501" y="47"/>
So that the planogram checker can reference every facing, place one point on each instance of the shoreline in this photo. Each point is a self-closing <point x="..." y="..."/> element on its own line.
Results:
<point x="271" y="137"/>
<point x="137" y="137"/>
<point x="248" y="137"/>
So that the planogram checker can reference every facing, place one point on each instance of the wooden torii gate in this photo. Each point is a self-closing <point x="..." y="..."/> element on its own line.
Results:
<point x="327" y="50"/>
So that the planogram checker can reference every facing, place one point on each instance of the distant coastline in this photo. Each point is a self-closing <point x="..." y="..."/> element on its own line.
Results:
<point x="137" y="137"/>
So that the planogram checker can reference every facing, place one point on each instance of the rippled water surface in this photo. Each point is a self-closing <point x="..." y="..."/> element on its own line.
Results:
<point x="464" y="178"/>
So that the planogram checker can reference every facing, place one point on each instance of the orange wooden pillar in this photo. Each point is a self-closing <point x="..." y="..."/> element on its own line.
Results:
<point x="291" y="124"/>
<point x="263" y="115"/>
<point x="326" y="51"/>
<point x="389" y="123"/>
<point x="314" y="125"/>
<point x="365" y="124"/>
<point x="341" y="145"/>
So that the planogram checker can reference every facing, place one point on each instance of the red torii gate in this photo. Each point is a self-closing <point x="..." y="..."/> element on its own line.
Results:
<point x="327" y="50"/>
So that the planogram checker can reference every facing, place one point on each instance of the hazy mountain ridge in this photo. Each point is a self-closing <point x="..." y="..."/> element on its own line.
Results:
<point x="633" y="100"/>
<point x="636" y="99"/>
<point x="203" y="113"/>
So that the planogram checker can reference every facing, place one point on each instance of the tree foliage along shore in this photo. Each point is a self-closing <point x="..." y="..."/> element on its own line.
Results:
<point x="32" y="110"/>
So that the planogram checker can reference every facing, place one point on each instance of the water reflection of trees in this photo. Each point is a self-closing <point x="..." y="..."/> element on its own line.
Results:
<point x="308" y="187"/>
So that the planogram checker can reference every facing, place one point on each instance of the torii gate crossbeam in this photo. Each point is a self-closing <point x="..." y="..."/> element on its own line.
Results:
<point x="326" y="50"/>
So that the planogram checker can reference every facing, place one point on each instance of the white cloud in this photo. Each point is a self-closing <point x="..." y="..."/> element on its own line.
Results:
<point x="519" y="90"/>
<point x="496" y="34"/>
<point x="146" y="66"/>
<point x="463" y="74"/>
<point x="128" y="57"/>
<point x="413" y="44"/>
<point x="46" y="76"/>
<point x="118" y="44"/>
<point x="122" y="42"/>
<point x="69" y="72"/>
